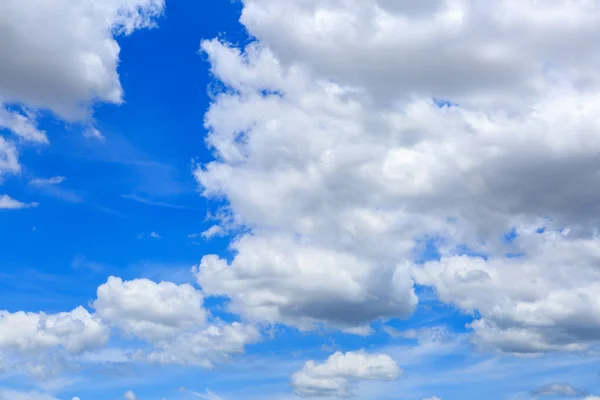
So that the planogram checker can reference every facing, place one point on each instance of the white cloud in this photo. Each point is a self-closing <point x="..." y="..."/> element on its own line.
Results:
<point x="206" y="347"/>
<point x="94" y="133"/>
<point x="509" y="51"/>
<point x="55" y="180"/>
<point x="9" y="158"/>
<point x="213" y="231"/>
<point x="129" y="395"/>
<point x="63" y="56"/>
<point x="592" y="398"/>
<point x="433" y="398"/>
<point x="277" y="279"/>
<point x="149" y="310"/>
<point x="21" y="125"/>
<point x="76" y="331"/>
<point x="337" y="163"/>
<point x="338" y="375"/>
<point x="8" y="203"/>
<point x="544" y="300"/>
<point x="154" y="235"/>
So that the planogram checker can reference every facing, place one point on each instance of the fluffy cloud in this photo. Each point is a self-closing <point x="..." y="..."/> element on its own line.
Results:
<point x="340" y="372"/>
<point x="63" y="56"/>
<point x="148" y="309"/>
<point x="206" y="347"/>
<point x="475" y="53"/>
<point x="76" y="331"/>
<point x="333" y="155"/>
<point x="542" y="300"/>
<point x="173" y="320"/>
<point x="277" y="279"/>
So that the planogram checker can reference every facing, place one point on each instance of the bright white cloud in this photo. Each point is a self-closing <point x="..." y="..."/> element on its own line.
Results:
<point x="149" y="310"/>
<point x="8" y="203"/>
<point x="76" y="331"/>
<point x="544" y="300"/>
<point x="338" y="375"/>
<point x="62" y="55"/>
<point x="332" y="153"/>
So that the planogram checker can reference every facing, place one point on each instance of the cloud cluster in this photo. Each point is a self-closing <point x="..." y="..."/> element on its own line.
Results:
<point x="338" y="375"/>
<point x="62" y="57"/>
<point x="169" y="318"/>
<point x="338" y="157"/>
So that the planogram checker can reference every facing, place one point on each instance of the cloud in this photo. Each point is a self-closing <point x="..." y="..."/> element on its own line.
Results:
<point x="67" y="57"/>
<point x="147" y="309"/>
<point x="541" y="301"/>
<point x="338" y="161"/>
<point x="172" y="319"/>
<point x="214" y="344"/>
<point x="55" y="180"/>
<point x="281" y="280"/>
<point x="94" y="133"/>
<point x="129" y="395"/>
<point x="338" y="375"/>
<point x="9" y="158"/>
<point x="558" y="389"/>
<point x="8" y="203"/>
<point x="433" y="398"/>
<point x="154" y="235"/>
<point x="75" y="331"/>
<point x="21" y="125"/>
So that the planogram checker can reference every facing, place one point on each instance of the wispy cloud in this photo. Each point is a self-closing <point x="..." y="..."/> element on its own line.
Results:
<point x="150" y="202"/>
<point x="8" y="203"/>
<point x="55" y="180"/>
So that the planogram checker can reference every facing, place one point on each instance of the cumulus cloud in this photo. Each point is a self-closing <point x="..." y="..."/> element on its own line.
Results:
<point x="63" y="56"/>
<point x="206" y="347"/>
<point x="338" y="161"/>
<point x="147" y="309"/>
<point x="339" y="374"/>
<point x="76" y="331"/>
<point x="173" y="320"/>
<point x="277" y="279"/>
<point x="543" y="300"/>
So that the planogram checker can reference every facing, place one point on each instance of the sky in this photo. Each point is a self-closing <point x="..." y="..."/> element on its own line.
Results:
<point x="273" y="200"/>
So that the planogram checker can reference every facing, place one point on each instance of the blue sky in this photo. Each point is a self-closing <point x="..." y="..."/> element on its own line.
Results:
<point x="261" y="199"/>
